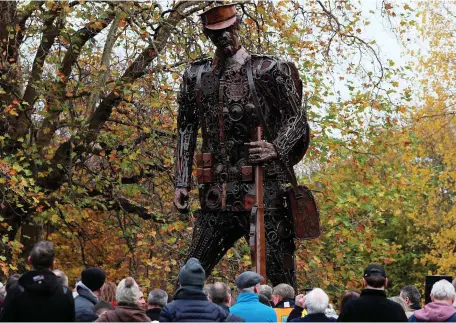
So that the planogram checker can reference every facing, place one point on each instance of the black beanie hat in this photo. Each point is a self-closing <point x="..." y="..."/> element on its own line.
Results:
<point x="93" y="278"/>
<point x="192" y="274"/>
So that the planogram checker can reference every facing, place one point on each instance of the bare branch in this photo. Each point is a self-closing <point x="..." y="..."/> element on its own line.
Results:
<point x="78" y="40"/>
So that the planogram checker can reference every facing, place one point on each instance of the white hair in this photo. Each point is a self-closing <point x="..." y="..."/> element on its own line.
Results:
<point x="127" y="291"/>
<point x="443" y="290"/>
<point x="317" y="301"/>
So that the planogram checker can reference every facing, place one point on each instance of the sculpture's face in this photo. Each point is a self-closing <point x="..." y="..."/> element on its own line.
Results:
<point x="226" y="39"/>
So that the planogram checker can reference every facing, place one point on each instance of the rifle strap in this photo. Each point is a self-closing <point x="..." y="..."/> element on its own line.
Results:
<point x="289" y="172"/>
<point x="199" y="106"/>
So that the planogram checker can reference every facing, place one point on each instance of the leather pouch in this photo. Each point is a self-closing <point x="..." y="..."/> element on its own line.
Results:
<point x="207" y="160"/>
<point x="247" y="173"/>
<point x="304" y="212"/>
<point x="199" y="160"/>
<point x="207" y="175"/>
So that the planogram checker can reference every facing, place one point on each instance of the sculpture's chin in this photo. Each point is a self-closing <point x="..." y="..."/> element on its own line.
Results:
<point x="229" y="51"/>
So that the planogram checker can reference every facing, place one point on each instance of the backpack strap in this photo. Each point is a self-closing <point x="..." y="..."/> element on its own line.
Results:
<point x="228" y="317"/>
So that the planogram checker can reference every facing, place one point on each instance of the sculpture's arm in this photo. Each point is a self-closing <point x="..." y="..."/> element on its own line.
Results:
<point x="187" y="127"/>
<point x="290" y="141"/>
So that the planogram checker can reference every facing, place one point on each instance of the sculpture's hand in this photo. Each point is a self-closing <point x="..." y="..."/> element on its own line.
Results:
<point x="261" y="151"/>
<point x="181" y="199"/>
<point x="300" y="300"/>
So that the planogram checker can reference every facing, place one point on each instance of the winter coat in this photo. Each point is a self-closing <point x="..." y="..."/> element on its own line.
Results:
<point x="154" y="314"/>
<point x="372" y="306"/>
<point x="434" y="312"/>
<point x="250" y="309"/>
<point x="84" y="304"/>
<point x="296" y="313"/>
<point x="124" y="313"/>
<point x="191" y="305"/>
<point x="38" y="297"/>
<point x="316" y="317"/>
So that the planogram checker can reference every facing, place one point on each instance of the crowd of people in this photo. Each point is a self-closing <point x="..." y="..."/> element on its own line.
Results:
<point x="43" y="295"/>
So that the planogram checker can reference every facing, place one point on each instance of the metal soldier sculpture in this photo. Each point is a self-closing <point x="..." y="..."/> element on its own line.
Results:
<point x="228" y="97"/>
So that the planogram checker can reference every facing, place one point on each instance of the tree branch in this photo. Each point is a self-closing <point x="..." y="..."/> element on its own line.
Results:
<point x="50" y="33"/>
<point x="77" y="42"/>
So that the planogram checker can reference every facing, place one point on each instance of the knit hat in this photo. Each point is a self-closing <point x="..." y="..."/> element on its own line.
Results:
<point x="127" y="291"/>
<point x="93" y="278"/>
<point x="192" y="274"/>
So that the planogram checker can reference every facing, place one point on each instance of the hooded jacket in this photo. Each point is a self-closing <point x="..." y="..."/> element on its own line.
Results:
<point x="125" y="313"/>
<point x="84" y="304"/>
<point x="434" y="312"/>
<point x="38" y="297"/>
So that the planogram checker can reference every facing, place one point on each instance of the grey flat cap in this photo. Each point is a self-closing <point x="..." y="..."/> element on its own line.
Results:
<point x="248" y="279"/>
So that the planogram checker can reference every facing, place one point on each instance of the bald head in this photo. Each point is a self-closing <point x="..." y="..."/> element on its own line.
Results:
<point x="220" y="294"/>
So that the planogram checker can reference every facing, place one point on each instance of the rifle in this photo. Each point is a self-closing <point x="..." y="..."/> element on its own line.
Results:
<point x="257" y="233"/>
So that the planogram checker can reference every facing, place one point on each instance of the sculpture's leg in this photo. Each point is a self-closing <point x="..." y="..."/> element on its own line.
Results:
<point x="280" y="247"/>
<point x="214" y="233"/>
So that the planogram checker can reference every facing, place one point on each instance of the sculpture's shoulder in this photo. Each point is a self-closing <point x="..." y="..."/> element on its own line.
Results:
<point x="266" y="66"/>
<point x="193" y="68"/>
<point x="269" y="63"/>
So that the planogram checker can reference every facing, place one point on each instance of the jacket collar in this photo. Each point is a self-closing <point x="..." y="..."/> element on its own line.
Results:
<point x="285" y="303"/>
<point x="238" y="59"/>
<point x="373" y="292"/>
<point x="190" y="292"/>
<point x="247" y="297"/>
<point x="85" y="292"/>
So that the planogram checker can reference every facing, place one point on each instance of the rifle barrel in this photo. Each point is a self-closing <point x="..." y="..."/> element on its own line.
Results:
<point x="260" y="261"/>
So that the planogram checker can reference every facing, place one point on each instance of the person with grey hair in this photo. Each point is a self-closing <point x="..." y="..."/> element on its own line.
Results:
<point x="315" y="303"/>
<point x="402" y="303"/>
<point x="206" y="290"/>
<point x="61" y="277"/>
<point x="220" y="294"/>
<point x="441" y="308"/>
<point x="266" y="290"/>
<point x="127" y="309"/>
<point x="247" y="304"/>
<point x="411" y="295"/>
<point x="157" y="299"/>
<point x="38" y="296"/>
<point x="283" y="300"/>
<point x="454" y="285"/>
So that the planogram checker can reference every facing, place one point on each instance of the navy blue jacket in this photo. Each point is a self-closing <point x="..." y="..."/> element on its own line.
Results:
<point x="191" y="305"/>
<point x="84" y="304"/>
